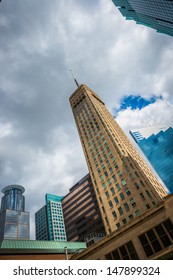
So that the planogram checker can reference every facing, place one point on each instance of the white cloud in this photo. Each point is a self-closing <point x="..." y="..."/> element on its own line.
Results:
<point x="39" y="145"/>
<point x="157" y="113"/>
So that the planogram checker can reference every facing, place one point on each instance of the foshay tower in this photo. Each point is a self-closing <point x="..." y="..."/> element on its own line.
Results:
<point x="124" y="185"/>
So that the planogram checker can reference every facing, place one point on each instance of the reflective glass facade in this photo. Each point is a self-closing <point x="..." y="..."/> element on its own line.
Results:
<point x="14" y="225"/>
<point x="13" y="198"/>
<point x="157" y="14"/>
<point x="41" y="226"/>
<point x="14" y="221"/>
<point x="158" y="148"/>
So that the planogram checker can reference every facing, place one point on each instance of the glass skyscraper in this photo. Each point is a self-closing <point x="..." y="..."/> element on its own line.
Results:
<point x="41" y="226"/>
<point x="125" y="187"/>
<point x="13" y="198"/>
<point x="14" y="221"/>
<point x="158" y="148"/>
<point x="49" y="220"/>
<point x="157" y="14"/>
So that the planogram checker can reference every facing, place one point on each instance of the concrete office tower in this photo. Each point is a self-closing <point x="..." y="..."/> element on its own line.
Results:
<point x="82" y="217"/>
<point x="156" y="14"/>
<point x="14" y="221"/>
<point x="124" y="185"/>
<point x="49" y="220"/>
<point x="157" y="146"/>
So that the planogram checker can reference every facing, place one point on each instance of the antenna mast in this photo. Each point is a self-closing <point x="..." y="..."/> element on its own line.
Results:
<point x="74" y="77"/>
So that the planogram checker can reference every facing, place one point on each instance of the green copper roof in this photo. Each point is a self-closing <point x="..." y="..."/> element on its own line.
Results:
<point x="38" y="246"/>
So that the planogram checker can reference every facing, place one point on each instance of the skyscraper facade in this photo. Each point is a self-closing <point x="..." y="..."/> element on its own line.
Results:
<point x="41" y="225"/>
<point x="49" y="220"/>
<point x="124" y="185"/>
<point x="157" y="14"/>
<point x="158" y="148"/>
<point x="82" y="216"/>
<point x="13" y="198"/>
<point x="14" y="221"/>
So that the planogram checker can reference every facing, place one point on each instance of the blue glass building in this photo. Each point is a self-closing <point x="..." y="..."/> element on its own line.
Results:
<point x="14" y="221"/>
<point x="157" y="14"/>
<point x="49" y="220"/>
<point x="158" y="148"/>
<point x="41" y="226"/>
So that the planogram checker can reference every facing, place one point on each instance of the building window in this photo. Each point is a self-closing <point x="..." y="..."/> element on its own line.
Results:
<point x="157" y="238"/>
<point x="103" y="166"/>
<point x="148" y="194"/>
<point x="110" y="169"/>
<point x="169" y="227"/>
<point x="101" y="178"/>
<point x="137" y="212"/>
<point x="123" y="182"/>
<point x="124" y="221"/>
<point x="116" y="166"/>
<point x="133" y="203"/>
<point x="110" y="204"/>
<point x="109" y="182"/>
<point x="118" y="187"/>
<point x="137" y="186"/>
<point x="126" y="206"/>
<point x="142" y="196"/>
<point x="104" y="185"/>
<point x="120" y="210"/>
<point x="125" y="252"/>
<point x="107" y="194"/>
<point x="112" y="190"/>
<point x="122" y="196"/>
<point x="119" y="173"/>
<point x="131" y="217"/>
<point x="114" y="178"/>
<point x="114" y="215"/>
<point x="116" y="200"/>
<point x="118" y="225"/>
<point x="128" y="192"/>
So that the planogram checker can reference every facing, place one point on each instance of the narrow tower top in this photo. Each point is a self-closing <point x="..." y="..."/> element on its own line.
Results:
<point x="76" y="82"/>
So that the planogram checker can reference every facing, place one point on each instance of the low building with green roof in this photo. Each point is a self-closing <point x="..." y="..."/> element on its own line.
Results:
<point x="39" y="250"/>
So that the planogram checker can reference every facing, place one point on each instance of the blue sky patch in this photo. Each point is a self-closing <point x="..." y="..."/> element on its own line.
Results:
<point x="136" y="102"/>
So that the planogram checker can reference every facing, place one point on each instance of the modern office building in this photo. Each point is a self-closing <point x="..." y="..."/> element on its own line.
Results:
<point x="146" y="132"/>
<point x="14" y="221"/>
<point x="148" y="237"/>
<point x="157" y="14"/>
<point x="41" y="224"/>
<point x="158" y="148"/>
<point x="124" y="185"/>
<point x="82" y="216"/>
<point x="49" y="221"/>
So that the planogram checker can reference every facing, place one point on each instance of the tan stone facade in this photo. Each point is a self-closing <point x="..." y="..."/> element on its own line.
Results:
<point x="124" y="185"/>
<point x="149" y="236"/>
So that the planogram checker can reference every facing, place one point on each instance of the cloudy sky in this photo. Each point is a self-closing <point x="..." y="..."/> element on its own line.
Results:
<point x="129" y="66"/>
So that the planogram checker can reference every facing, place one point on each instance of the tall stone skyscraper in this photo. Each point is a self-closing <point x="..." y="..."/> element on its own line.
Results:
<point x="124" y="185"/>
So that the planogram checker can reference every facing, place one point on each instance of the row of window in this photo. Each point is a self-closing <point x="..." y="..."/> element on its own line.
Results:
<point x="152" y="241"/>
